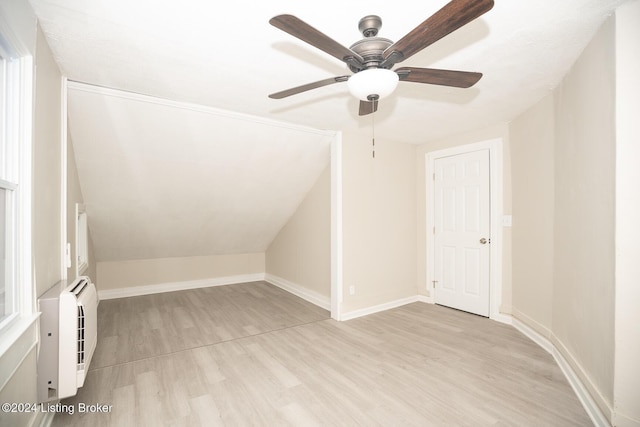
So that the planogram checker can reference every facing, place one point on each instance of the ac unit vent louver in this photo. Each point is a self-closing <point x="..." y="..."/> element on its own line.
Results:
<point x="80" y="337"/>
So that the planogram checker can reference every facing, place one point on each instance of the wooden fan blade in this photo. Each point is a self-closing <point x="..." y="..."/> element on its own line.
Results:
<point x="368" y="107"/>
<point x="438" y="77"/>
<point x="305" y="32"/>
<point x="452" y="16"/>
<point x="308" y="86"/>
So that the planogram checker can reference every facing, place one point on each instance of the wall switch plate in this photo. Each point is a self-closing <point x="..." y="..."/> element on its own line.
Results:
<point x="507" y="220"/>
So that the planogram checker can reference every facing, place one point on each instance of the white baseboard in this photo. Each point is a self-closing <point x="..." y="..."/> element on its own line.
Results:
<point x="299" y="291"/>
<point x="502" y="318"/>
<point x="533" y="335"/>
<point x="424" y="298"/>
<point x="178" y="286"/>
<point x="623" y="421"/>
<point x="582" y="392"/>
<point x="380" y="307"/>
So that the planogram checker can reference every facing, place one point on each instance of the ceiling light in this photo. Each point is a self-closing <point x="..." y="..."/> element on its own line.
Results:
<point x="372" y="84"/>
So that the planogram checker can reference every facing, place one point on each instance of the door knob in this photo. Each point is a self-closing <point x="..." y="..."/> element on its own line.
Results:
<point x="483" y="241"/>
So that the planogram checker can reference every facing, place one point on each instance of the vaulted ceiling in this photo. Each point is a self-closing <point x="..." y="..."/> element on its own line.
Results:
<point x="228" y="57"/>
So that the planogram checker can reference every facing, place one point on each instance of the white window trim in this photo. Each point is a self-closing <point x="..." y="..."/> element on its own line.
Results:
<point x="17" y="337"/>
<point x="9" y="242"/>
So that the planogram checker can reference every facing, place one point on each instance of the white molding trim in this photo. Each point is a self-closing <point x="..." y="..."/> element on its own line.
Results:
<point x="116" y="93"/>
<point x="18" y="340"/>
<point x="81" y="240"/>
<point x="496" y="166"/>
<point x="380" y="307"/>
<point x="63" y="176"/>
<point x="336" y="227"/>
<point x="507" y="319"/>
<point x="24" y="200"/>
<point x="133" y="291"/>
<point x="622" y="420"/>
<point x="580" y="389"/>
<point x="425" y="299"/>
<point x="299" y="291"/>
<point x="533" y="335"/>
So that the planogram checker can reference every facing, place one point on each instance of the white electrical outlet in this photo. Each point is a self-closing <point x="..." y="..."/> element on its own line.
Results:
<point x="352" y="290"/>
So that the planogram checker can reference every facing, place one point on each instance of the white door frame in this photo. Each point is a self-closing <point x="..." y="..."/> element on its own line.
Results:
<point x="496" y="199"/>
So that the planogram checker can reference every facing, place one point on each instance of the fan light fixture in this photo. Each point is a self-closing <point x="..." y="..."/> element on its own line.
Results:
<point x="372" y="84"/>
<point x="372" y="58"/>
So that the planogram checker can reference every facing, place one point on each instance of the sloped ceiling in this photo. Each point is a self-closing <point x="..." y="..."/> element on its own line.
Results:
<point x="168" y="179"/>
<point x="162" y="180"/>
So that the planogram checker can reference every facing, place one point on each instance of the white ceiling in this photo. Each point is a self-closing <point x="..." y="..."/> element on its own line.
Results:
<point x="165" y="179"/>
<point x="226" y="55"/>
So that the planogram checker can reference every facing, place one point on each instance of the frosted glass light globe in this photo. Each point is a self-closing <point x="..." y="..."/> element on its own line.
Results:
<point x="374" y="81"/>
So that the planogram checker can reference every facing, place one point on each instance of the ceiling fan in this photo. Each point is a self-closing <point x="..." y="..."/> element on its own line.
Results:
<point x="372" y="58"/>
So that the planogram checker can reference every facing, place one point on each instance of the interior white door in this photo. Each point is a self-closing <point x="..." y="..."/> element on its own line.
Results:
<point x="462" y="231"/>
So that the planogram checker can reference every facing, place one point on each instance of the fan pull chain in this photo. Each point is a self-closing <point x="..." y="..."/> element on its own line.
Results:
<point x="373" y="130"/>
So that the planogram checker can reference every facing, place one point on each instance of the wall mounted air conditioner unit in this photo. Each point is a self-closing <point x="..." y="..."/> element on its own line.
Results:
<point x="68" y="337"/>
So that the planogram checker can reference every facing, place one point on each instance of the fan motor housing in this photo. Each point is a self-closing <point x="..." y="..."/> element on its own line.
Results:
<point x="370" y="49"/>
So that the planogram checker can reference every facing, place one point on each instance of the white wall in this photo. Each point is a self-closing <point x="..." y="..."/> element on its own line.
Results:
<point x="627" y="235"/>
<point x="533" y="180"/>
<point x="47" y="171"/>
<point x="584" y="215"/>
<point x="379" y="222"/>
<point x="575" y="247"/>
<point x="301" y="252"/>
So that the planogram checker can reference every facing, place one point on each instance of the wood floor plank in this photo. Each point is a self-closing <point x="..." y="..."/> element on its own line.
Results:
<point x="145" y="326"/>
<point x="266" y="358"/>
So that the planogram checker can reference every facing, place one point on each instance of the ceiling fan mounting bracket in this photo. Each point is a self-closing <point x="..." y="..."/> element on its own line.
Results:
<point x="370" y="25"/>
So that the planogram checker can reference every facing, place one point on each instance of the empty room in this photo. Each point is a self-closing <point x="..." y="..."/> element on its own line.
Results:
<point x="355" y="213"/>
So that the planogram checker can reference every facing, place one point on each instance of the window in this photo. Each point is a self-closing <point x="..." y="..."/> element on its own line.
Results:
<point x="7" y="193"/>
<point x="16" y="293"/>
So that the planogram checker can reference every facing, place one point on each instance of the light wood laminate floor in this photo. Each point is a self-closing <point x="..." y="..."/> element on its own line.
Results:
<point x="254" y="355"/>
